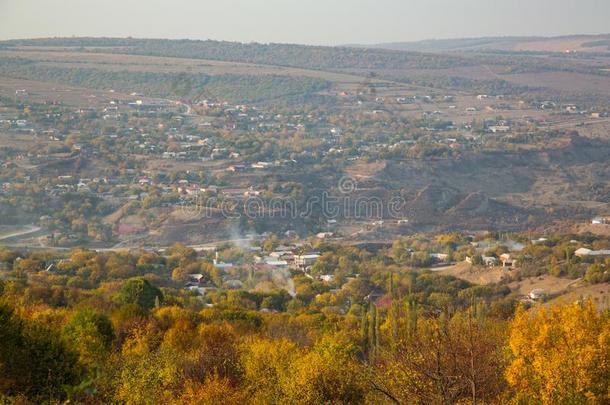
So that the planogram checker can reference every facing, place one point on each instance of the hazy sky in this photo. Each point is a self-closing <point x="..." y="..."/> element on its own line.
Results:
<point x="302" y="21"/>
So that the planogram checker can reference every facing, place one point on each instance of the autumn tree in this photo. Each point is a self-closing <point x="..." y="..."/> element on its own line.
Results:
<point x="560" y="355"/>
<point x="214" y="390"/>
<point x="329" y="373"/>
<point x="142" y="374"/>
<point x="266" y="367"/>
<point x="441" y="360"/>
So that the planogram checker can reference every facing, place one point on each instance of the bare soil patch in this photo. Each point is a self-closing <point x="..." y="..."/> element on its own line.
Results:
<point x="475" y="274"/>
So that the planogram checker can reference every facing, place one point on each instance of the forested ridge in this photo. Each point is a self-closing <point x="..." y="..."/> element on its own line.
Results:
<point x="384" y="62"/>
<point x="233" y="88"/>
<point x="313" y="57"/>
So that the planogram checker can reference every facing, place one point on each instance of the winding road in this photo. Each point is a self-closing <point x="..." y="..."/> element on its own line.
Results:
<point x="28" y="230"/>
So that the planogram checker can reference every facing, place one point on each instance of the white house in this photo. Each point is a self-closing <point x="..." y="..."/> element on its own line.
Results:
<point x="262" y="165"/>
<point x="537" y="294"/>
<point x="583" y="252"/>
<point x="196" y="277"/>
<point x="499" y="128"/>
<point x="441" y="257"/>
<point x="222" y="265"/>
<point x="275" y="263"/>
<point x="489" y="261"/>
<point x="306" y="260"/>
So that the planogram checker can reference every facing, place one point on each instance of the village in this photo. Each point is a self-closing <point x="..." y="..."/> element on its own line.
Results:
<point x="258" y="260"/>
<point x="348" y="220"/>
<point x="167" y="152"/>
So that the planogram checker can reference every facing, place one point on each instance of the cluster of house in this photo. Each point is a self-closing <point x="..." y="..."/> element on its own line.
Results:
<point x="284" y="257"/>
<point x="506" y="260"/>
<point x="259" y="165"/>
<point x="400" y="99"/>
<point x="280" y="260"/>
<point x="17" y="125"/>
<point x="135" y="189"/>
<point x="251" y="118"/>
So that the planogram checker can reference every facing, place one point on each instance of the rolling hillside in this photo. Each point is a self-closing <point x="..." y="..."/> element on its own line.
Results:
<point x="573" y="43"/>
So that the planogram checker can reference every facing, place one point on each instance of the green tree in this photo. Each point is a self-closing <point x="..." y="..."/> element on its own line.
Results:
<point x="91" y="334"/>
<point x="34" y="360"/>
<point x="138" y="290"/>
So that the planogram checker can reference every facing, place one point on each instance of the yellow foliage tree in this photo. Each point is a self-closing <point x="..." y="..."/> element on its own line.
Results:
<point x="328" y="374"/>
<point x="442" y="361"/>
<point x="265" y="363"/>
<point x="144" y="375"/>
<point x="561" y="355"/>
<point x="213" y="391"/>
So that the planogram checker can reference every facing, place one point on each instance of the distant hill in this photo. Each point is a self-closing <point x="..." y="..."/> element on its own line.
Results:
<point x="572" y="43"/>
<point x="290" y="55"/>
<point x="260" y="73"/>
